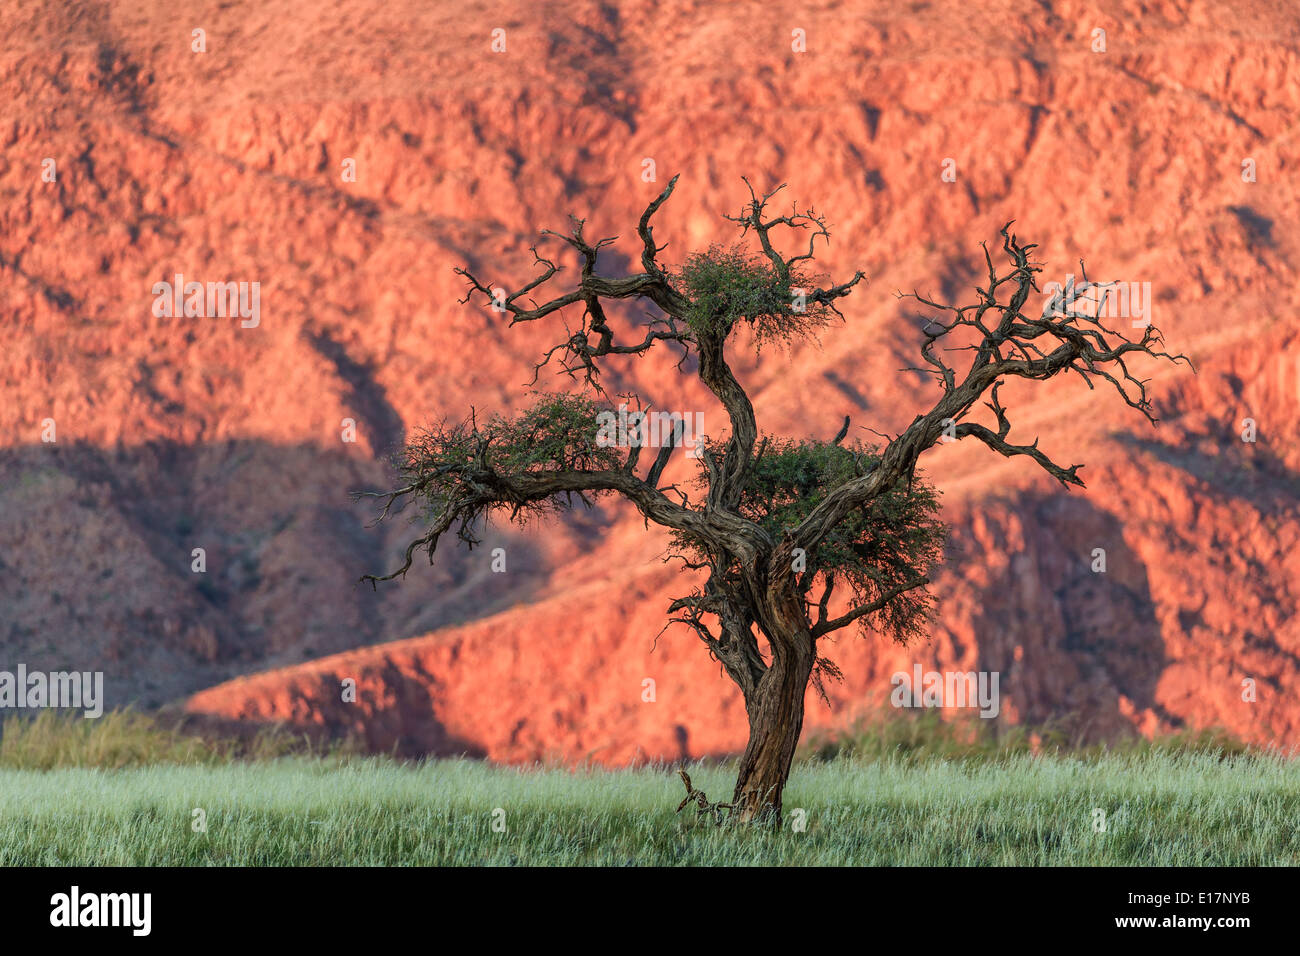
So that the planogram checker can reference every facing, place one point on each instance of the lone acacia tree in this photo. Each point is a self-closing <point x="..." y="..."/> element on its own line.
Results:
<point x="775" y="526"/>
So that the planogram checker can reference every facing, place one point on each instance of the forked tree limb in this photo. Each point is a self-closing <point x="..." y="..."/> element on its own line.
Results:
<point x="1011" y="346"/>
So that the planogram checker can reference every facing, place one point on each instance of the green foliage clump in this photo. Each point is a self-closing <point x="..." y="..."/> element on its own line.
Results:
<point x="887" y="543"/>
<point x="557" y="433"/>
<point x="728" y="285"/>
<point x="451" y="463"/>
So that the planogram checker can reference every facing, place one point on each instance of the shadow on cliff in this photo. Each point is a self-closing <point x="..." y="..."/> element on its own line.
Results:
<point x="1067" y="619"/>
<point x="173" y="566"/>
<point x="102" y="561"/>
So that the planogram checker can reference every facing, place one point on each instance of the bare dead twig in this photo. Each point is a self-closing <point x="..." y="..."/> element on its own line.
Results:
<point x="701" y="800"/>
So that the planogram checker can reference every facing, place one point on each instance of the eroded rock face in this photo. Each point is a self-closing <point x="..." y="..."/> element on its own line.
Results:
<point x="182" y="433"/>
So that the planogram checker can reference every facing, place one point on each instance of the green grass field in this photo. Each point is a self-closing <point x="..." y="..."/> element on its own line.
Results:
<point x="1192" y="804"/>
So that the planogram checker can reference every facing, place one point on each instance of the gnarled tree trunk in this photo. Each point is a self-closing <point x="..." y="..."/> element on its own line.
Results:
<point x="775" y="710"/>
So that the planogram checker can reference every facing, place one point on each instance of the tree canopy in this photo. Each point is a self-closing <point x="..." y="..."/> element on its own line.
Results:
<point x="792" y="538"/>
